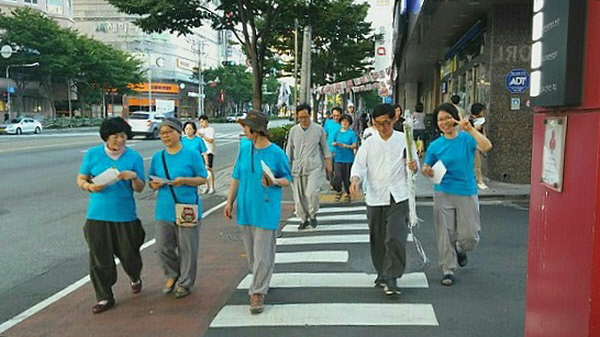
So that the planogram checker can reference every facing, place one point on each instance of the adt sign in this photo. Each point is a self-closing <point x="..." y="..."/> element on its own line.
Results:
<point x="517" y="81"/>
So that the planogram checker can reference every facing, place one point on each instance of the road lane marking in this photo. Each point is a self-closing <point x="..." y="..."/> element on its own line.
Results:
<point x="71" y="288"/>
<point x="334" y="217"/>
<point x="328" y="314"/>
<point x="323" y="210"/>
<point x="328" y="239"/>
<point x="327" y="228"/>
<point x="335" y="280"/>
<point x="333" y="256"/>
<point x="46" y="146"/>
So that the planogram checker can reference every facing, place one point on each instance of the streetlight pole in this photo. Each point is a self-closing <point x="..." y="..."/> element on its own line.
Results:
<point x="26" y="65"/>
<point x="201" y="83"/>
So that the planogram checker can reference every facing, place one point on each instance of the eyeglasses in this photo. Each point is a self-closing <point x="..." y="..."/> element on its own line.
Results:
<point x="386" y="123"/>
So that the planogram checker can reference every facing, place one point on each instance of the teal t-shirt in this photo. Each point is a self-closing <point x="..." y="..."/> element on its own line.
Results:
<point x="343" y="155"/>
<point x="458" y="155"/>
<point x="258" y="206"/>
<point x="114" y="203"/>
<point x="331" y="129"/>
<point x="195" y="143"/>
<point x="186" y="163"/>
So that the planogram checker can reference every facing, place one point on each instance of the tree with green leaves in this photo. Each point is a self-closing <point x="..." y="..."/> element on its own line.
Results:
<point x="254" y="23"/>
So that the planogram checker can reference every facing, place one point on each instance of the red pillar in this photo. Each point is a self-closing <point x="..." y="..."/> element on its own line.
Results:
<point x="563" y="281"/>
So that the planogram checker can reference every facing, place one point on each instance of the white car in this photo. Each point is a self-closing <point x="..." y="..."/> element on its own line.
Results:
<point x="145" y="123"/>
<point x="21" y="125"/>
<point x="235" y="118"/>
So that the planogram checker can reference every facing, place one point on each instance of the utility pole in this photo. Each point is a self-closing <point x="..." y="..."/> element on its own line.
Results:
<point x="305" y="95"/>
<point x="200" y="79"/>
<point x="295" y="63"/>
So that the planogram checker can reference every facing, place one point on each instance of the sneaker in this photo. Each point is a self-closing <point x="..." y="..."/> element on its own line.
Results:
<point x="181" y="292"/>
<point x="482" y="186"/>
<point x="169" y="286"/>
<point x="448" y="280"/>
<point x="203" y="189"/>
<point x="304" y="225"/>
<point x="211" y="191"/>
<point x="462" y="258"/>
<point x="379" y="282"/>
<point x="136" y="287"/>
<point x="391" y="288"/>
<point x="313" y="223"/>
<point x="257" y="304"/>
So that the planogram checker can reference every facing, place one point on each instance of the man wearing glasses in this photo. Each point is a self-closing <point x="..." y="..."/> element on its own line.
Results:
<point x="309" y="153"/>
<point x="381" y="163"/>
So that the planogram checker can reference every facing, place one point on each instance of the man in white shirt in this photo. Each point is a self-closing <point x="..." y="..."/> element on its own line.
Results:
<point x="381" y="162"/>
<point x="207" y="133"/>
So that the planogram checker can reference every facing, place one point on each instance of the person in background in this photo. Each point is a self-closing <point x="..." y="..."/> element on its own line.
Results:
<point x="455" y="99"/>
<point x="370" y="129"/>
<point x="331" y="127"/>
<point x="455" y="201"/>
<point x="207" y="133"/>
<point x="419" y="128"/>
<point x="381" y="163"/>
<point x="310" y="160"/>
<point x="176" y="173"/>
<point x="258" y="200"/>
<point x="112" y="227"/>
<point x="345" y="143"/>
<point x="398" y="119"/>
<point x="478" y="120"/>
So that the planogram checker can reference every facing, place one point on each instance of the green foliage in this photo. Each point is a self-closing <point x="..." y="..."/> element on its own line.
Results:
<point x="65" y="56"/>
<point x="279" y="134"/>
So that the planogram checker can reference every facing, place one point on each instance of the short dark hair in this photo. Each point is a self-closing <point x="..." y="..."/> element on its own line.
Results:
<point x="477" y="108"/>
<point x="203" y="117"/>
<point x="449" y="108"/>
<point x="114" y="125"/>
<point x="455" y="99"/>
<point x="384" y="109"/>
<point x="398" y="106"/>
<point x="192" y="124"/>
<point x="346" y="117"/>
<point x="304" y="106"/>
<point x="419" y="107"/>
<point x="338" y="109"/>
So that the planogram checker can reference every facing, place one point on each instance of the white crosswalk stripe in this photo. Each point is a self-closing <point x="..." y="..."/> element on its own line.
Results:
<point x="323" y="275"/>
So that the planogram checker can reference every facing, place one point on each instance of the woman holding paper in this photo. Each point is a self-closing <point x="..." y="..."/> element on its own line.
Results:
<point x="111" y="173"/>
<point x="176" y="173"/>
<point x="258" y="200"/>
<point x="456" y="205"/>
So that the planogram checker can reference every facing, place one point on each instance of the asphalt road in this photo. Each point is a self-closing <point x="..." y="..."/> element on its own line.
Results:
<point x="42" y="249"/>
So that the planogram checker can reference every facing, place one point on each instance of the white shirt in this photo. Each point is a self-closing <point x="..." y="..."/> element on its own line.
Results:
<point x="381" y="163"/>
<point x="208" y="132"/>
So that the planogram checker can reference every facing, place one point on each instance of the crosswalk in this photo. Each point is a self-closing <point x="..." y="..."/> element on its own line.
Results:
<point x="322" y="259"/>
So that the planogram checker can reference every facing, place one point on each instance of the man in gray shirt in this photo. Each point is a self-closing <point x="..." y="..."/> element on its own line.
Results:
<point x="309" y="153"/>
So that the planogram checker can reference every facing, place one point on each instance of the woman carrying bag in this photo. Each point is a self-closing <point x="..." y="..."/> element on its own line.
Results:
<point x="176" y="172"/>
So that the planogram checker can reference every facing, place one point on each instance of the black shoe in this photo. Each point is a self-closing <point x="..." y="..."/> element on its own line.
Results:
<point x="313" y="223"/>
<point x="304" y="225"/>
<point x="462" y="258"/>
<point x="379" y="282"/>
<point x="391" y="288"/>
<point x="448" y="280"/>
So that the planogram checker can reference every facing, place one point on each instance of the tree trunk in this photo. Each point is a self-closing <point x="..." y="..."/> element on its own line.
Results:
<point x="47" y="84"/>
<point x="257" y="81"/>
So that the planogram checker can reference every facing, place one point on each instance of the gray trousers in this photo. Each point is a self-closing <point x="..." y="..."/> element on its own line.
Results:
<point x="388" y="230"/>
<point x="177" y="249"/>
<point x="457" y="226"/>
<point x="106" y="240"/>
<point x="260" y="250"/>
<point x="307" y="189"/>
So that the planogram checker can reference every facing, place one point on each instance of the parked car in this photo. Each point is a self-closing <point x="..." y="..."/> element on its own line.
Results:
<point x="234" y="118"/>
<point x="21" y="125"/>
<point x="144" y="123"/>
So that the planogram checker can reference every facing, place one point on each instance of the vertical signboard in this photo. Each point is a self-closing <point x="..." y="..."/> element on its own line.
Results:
<point x="557" y="52"/>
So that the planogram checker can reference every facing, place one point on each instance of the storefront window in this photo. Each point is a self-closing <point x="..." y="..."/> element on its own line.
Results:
<point x="31" y="2"/>
<point x="55" y="6"/>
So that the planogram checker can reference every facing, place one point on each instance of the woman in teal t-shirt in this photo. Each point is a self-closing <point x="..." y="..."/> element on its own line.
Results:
<point x="344" y="143"/>
<point x="112" y="227"/>
<point x="258" y="201"/>
<point x="456" y="205"/>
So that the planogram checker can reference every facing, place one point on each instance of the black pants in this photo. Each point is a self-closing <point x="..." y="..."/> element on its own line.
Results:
<point x="388" y="230"/>
<point x="106" y="240"/>
<point x="341" y="176"/>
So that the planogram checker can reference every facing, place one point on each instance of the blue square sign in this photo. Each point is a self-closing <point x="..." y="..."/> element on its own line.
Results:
<point x="517" y="81"/>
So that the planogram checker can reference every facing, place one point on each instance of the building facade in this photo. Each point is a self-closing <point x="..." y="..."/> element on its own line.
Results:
<point x="479" y="50"/>
<point x="170" y="59"/>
